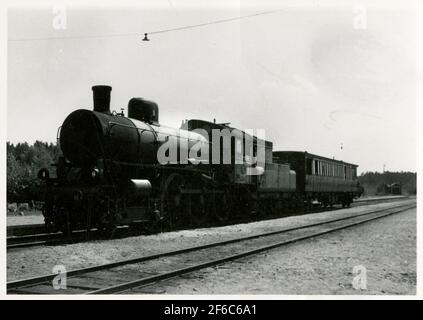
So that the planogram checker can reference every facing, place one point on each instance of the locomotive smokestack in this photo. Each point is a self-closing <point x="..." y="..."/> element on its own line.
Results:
<point x="101" y="96"/>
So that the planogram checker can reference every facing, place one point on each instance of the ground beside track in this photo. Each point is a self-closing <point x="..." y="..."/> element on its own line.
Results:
<point x="34" y="217"/>
<point x="324" y="265"/>
<point x="30" y="262"/>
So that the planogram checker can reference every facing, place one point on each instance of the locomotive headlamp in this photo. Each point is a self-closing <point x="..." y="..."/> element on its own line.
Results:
<point x="95" y="173"/>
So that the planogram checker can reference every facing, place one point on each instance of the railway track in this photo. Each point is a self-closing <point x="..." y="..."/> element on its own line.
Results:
<point x="41" y="239"/>
<point x="26" y="229"/>
<point x="33" y="240"/>
<point x="131" y="275"/>
<point x="26" y="239"/>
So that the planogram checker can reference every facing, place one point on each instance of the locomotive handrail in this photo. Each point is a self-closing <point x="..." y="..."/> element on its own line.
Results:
<point x="163" y="167"/>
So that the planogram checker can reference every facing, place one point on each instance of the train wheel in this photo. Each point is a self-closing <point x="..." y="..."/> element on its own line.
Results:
<point x="65" y="224"/>
<point x="107" y="230"/>
<point x="243" y="205"/>
<point x="172" y="207"/>
<point x="106" y="219"/>
<point x="200" y="213"/>
<point x="224" y="209"/>
<point x="265" y="208"/>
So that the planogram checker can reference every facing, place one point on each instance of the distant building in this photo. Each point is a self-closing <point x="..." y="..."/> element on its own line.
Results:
<point x="394" y="188"/>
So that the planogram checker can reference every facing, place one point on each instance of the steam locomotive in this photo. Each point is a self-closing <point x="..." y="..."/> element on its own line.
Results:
<point x="110" y="173"/>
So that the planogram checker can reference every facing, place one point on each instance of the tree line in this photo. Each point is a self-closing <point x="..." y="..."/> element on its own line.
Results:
<point x="374" y="182"/>
<point x="23" y="163"/>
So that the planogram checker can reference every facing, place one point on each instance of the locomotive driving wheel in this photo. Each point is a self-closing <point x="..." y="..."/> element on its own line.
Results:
<point x="225" y="206"/>
<point x="106" y="210"/>
<point x="172" y="203"/>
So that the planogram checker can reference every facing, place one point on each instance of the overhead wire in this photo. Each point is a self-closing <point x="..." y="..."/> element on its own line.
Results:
<point x="181" y="28"/>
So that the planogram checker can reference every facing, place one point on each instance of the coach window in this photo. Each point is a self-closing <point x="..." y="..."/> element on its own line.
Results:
<point x="308" y="166"/>
<point x="239" y="146"/>
<point x="244" y="147"/>
<point x="316" y="167"/>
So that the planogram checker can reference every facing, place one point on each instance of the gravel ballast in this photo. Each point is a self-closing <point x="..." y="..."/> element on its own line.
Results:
<point x="24" y="263"/>
<point x="384" y="249"/>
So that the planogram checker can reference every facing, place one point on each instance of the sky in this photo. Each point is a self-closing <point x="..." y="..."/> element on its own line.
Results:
<point x="315" y="76"/>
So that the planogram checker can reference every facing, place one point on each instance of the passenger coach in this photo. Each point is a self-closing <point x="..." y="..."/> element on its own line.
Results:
<point x="321" y="179"/>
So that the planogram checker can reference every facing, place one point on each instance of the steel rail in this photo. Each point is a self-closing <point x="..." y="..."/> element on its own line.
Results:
<point x="46" y="278"/>
<point x="167" y="275"/>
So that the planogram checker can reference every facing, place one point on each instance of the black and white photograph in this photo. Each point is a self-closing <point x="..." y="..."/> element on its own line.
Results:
<point x="204" y="149"/>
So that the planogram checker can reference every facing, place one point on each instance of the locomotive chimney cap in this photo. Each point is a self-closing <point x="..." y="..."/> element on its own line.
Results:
<point x="101" y="87"/>
<point x="101" y="97"/>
